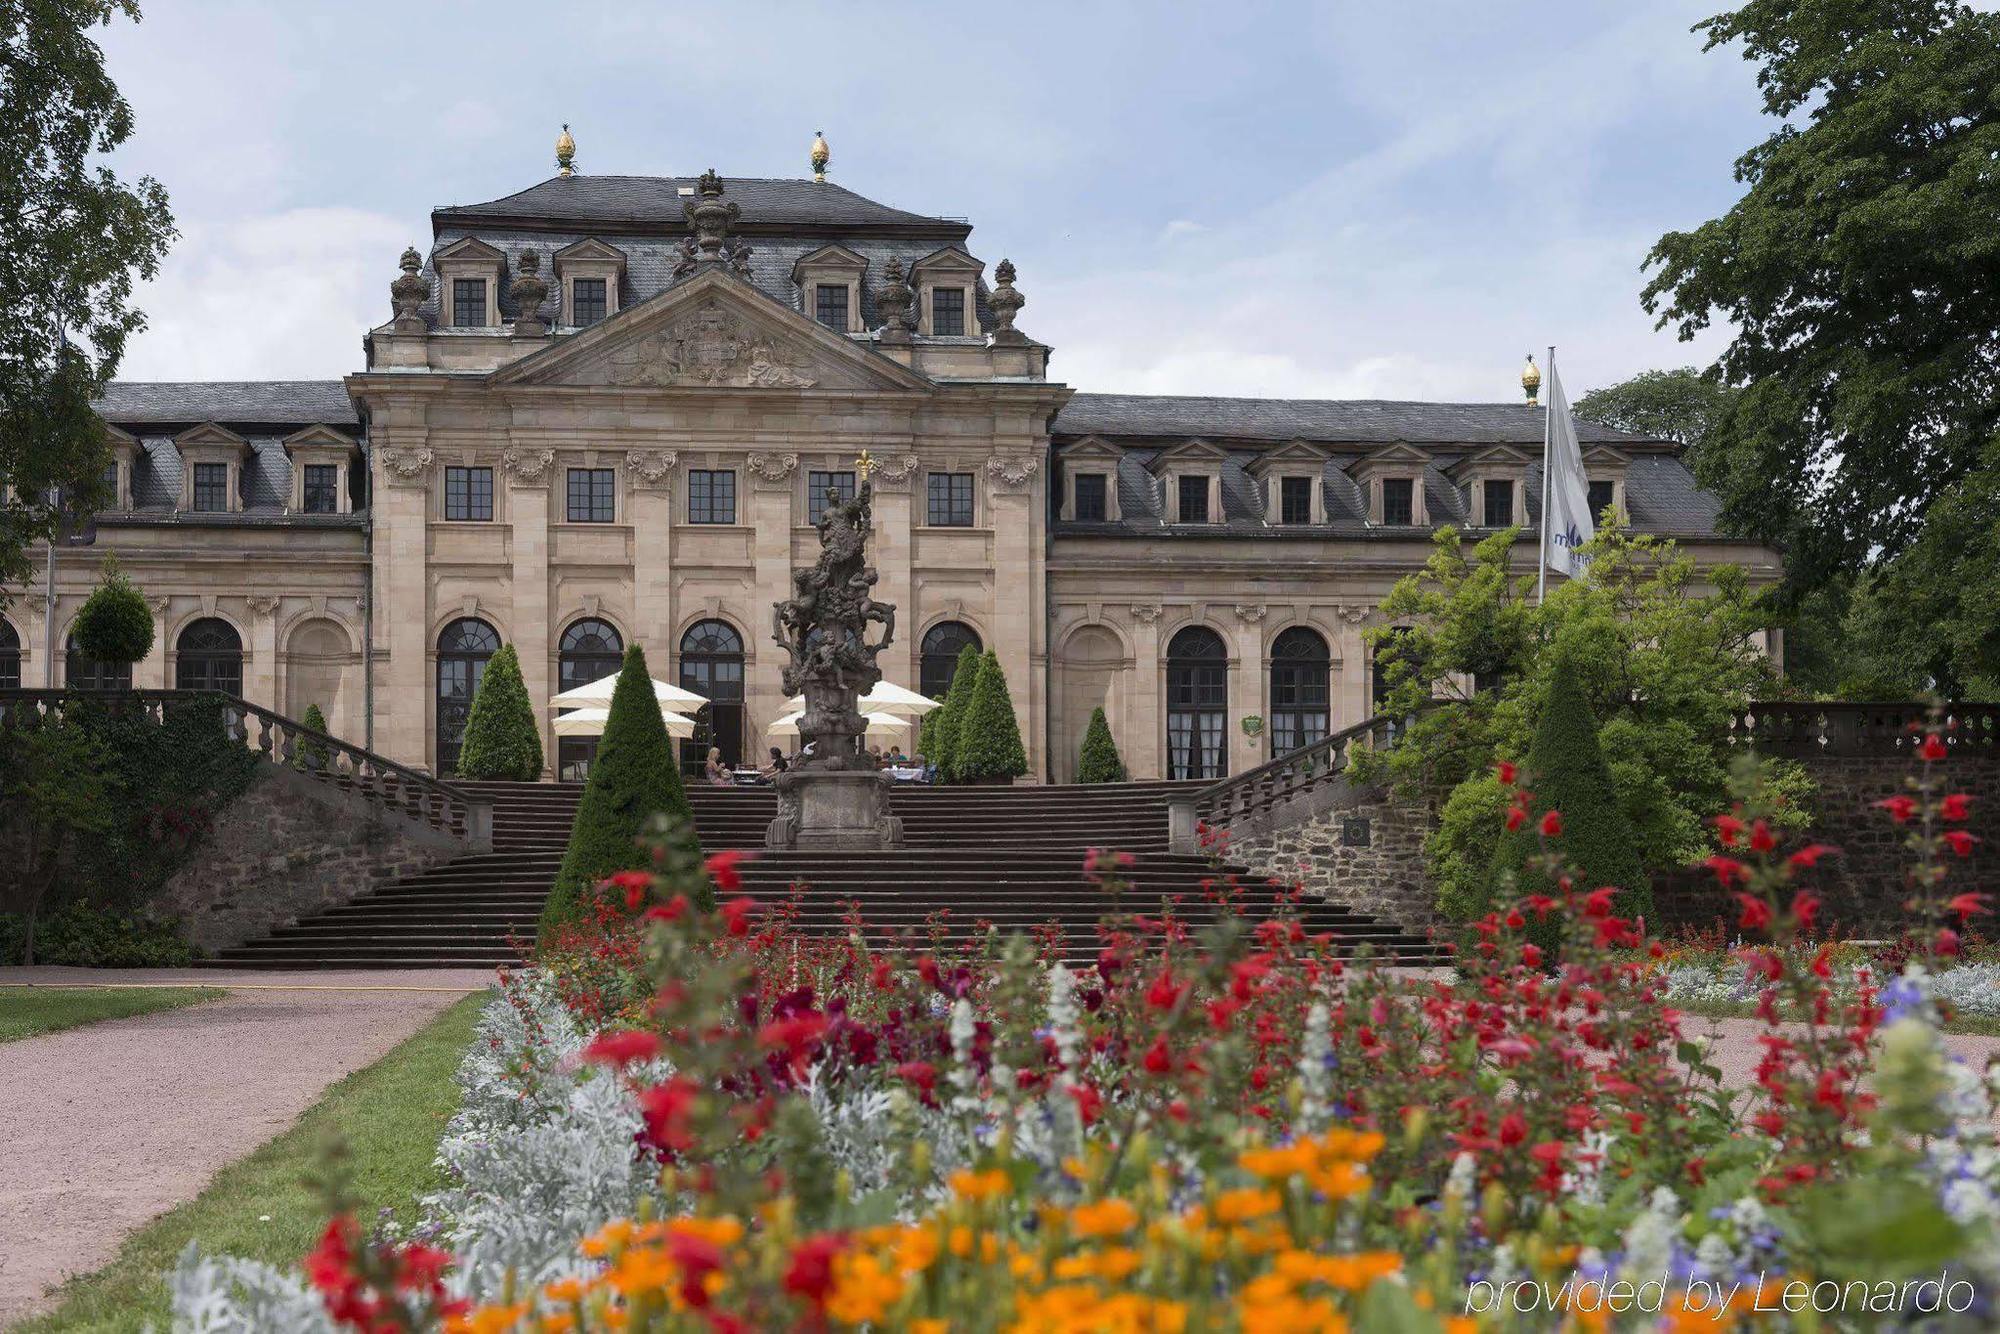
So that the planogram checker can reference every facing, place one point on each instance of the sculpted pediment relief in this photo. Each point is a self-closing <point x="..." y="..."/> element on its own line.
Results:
<point x="707" y="345"/>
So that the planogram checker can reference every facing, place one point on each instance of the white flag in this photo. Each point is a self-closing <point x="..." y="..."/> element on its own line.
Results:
<point x="1566" y="521"/>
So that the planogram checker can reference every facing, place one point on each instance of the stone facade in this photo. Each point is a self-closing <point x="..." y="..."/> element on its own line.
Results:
<point x="1366" y="852"/>
<point x="291" y="846"/>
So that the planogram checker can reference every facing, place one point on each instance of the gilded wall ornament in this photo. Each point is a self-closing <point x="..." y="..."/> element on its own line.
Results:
<point x="407" y="464"/>
<point x="1010" y="472"/>
<point x="650" y="467"/>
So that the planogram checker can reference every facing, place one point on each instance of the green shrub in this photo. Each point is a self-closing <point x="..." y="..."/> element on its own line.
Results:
<point x="964" y="678"/>
<point x="502" y="738"/>
<point x="80" y="936"/>
<point x="115" y="625"/>
<point x="312" y="754"/>
<point x="633" y="779"/>
<point x="989" y="747"/>
<point x="1567" y="773"/>
<point x="1099" y="762"/>
<point x="927" y="734"/>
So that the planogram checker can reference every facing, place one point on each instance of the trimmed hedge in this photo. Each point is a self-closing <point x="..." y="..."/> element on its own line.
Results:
<point x="989" y="739"/>
<point x="1099" y="762"/>
<point x="633" y="780"/>
<point x="115" y="625"/>
<point x="502" y="738"/>
<point x="1567" y="773"/>
<point x="311" y="754"/>
<point x="944" y="736"/>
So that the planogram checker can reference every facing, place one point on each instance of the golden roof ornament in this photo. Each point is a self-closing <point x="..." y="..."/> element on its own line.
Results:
<point x="1531" y="381"/>
<point x="565" y="152"/>
<point x="864" y="464"/>
<point x="821" y="155"/>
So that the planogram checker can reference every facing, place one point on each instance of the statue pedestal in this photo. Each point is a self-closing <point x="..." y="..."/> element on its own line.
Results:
<point x="837" y="809"/>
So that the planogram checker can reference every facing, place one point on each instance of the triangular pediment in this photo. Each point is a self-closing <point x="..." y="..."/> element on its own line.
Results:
<point x="210" y="434"/>
<point x="467" y="248"/>
<point x="1495" y="456"/>
<point x="1293" y="454"/>
<point x="117" y="436"/>
<point x="1604" y="456"/>
<point x="948" y="259"/>
<point x="589" y="249"/>
<point x="1090" y="448"/>
<point x="320" y="436"/>
<point x="711" y="331"/>
<point x="835" y="256"/>
<point x="1399" y="455"/>
<point x="1196" y="453"/>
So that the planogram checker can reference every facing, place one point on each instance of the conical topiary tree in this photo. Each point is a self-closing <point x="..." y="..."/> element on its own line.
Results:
<point x="989" y="747"/>
<point x="115" y="626"/>
<point x="502" y="739"/>
<point x="957" y="700"/>
<point x="1567" y="773"/>
<point x="1099" y="762"/>
<point x="633" y="778"/>
<point x="312" y="754"/>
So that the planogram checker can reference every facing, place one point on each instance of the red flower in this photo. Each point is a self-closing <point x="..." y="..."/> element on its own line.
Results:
<point x="809" y="1274"/>
<point x="1552" y="825"/>
<point x="1513" y="1129"/>
<point x="721" y="868"/>
<point x="1727" y="869"/>
<point x="1597" y="903"/>
<point x="1933" y="747"/>
<point x="1761" y="839"/>
<point x="1957" y="806"/>
<point x="1961" y="841"/>
<point x="1808" y="856"/>
<point x="666" y="1108"/>
<point x="1158" y="1060"/>
<point x="1756" y="913"/>
<point x="737" y="913"/>
<point x="1531" y="955"/>
<point x="1947" y="941"/>
<point x="1727" y="829"/>
<point x="923" y="1076"/>
<point x="1089" y="1102"/>
<point x="1966" y="905"/>
<point x="1805" y="909"/>
<point x="796" y="1035"/>
<point x="1506" y="771"/>
<point x="634" y="883"/>
<point x="1515" y="818"/>
<point x="623" y="1047"/>
<point x="671" y="913"/>
<point x="1165" y="993"/>
<point x="1900" y="807"/>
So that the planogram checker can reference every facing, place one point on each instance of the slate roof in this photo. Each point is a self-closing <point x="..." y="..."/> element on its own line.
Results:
<point x="296" y="403"/>
<point x="657" y="200"/>
<point x="1361" y="420"/>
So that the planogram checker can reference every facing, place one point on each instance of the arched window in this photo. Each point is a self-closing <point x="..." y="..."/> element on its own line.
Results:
<point x="1197" y="705"/>
<point x="209" y="656"/>
<point x="943" y="643"/>
<point x="83" y="673"/>
<point x="10" y="656"/>
<point x="590" y="651"/>
<point x="1300" y="665"/>
<point x="712" y="667"/>
<point x="463" y="651"/>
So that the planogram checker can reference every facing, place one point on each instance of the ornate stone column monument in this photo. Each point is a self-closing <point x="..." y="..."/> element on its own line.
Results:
<point x="835" y="797"/>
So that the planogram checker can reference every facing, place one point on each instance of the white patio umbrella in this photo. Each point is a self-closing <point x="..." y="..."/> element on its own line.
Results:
<point x="597" y="695"/>
<point x="881" y="726"/>
<point x="886" y="697"/>
<point x="590" y="722"/>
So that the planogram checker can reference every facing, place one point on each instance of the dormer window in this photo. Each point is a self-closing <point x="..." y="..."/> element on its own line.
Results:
<point x="1399" y="501"/>
<point x="469" y="273"/>
<point x="322" y="462"/>
<point x="1392" y="478"/>
<point x="1088" y="470"/>
<point x="1494" y="486"/>
<point x="829" y="281"/>
<point x="212" y="460"/>
<point x="1497" y="497"/>
<point x="1190" y="476"/>
<point x="211" y="488"/>
<point x="320" y="493"/>
<point x="948" y="311"/>
<point x="1291" y="481"/>
<point x="587" y="302"/>
<point x="1191" y="502"/>
<point x="1295" y="500"/>
<point x="1602" y="492"/>
<point x="124" y="448"/>
<point x="947" y="283"/>
<point x="1092" y="491"/>
<point x="1606" y="468"/>
<point x="468" y="302"/>
<point x="587" y="275"/>
<point x="830" y="305"/>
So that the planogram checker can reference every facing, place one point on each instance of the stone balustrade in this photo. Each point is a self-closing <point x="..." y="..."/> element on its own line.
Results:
<point x="1803" y="729"/>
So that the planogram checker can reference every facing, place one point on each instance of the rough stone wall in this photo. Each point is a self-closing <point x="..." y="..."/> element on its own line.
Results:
<point x="1366" y="851"/>
<point x="290" y="846"/>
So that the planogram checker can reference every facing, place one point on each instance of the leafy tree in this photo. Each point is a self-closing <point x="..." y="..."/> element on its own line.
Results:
<point x="57" y="794"/>
<point x="1860" y="272"/>
<point x="502" y="737"/>
<point x="989" y="739"/>
<point x="1679" y="405"/>
<point x="927" y="734"/>
<point x="312" y="754"/>
<point x="633" y="780"/>
<point x="1567" y="773"/>
<point x="115" y="625"/>
<point x="1099" y="762"/>
<point x="73" y="237"/>
<point x="944" y="735"/>
<point x="1663" y="655"/>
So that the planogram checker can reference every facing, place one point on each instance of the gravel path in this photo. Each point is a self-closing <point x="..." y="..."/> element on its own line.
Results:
<point x="109" y="1125"/>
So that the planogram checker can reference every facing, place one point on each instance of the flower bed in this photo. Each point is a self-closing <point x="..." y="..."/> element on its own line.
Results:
<point x="707" y="1120"/>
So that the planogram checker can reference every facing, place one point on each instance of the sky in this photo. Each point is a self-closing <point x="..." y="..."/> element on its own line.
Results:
<point x="1333" y="200"/>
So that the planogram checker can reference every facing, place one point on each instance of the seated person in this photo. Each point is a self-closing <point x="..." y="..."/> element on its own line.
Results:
<point x="875" y="754"/>
<point x="777" y="765"/>
<point x="716" y="771"/>
<point x="895" y="759"/>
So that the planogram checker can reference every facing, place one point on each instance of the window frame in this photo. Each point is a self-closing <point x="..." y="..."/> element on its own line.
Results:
<point x="602" y="300"/>
<point x="704" y="480"/>
<point x="313" y="476"/>
<point x="958" y="504"/>
<point x="1103" y="497"/>
<point x="1486" y="485"/>
<point x="1408" y="487"/>
<point x="819" y="481"/>
<point x="207" y="482"/>
<point x="962" y="296"/>
<point x="821" y="291"/>
<point x="1186" y="486"/>
<point x="459" y="285"/>
<point x="473" y="478"/>
<point x="1288" y="485"/>
<point x="600" y="498"/>
<point x="1610" y="491"/>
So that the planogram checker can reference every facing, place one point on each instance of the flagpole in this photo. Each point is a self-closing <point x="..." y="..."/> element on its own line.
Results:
<point x="1548" y="421"/>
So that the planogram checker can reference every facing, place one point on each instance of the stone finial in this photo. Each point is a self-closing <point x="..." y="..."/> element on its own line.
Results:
<point x="739" y="258"/>
<point x="1531" y="381"/>
<point x="684" y="265"/>
<point x="529" y="291"/>
<point x="894" y="298"/>
<point x="407" y="293"/>
<point x="821" y="155"/>
<point x="1006" y="303"/>
<point x="565" y="152"/>
<point x="709" y="217"/>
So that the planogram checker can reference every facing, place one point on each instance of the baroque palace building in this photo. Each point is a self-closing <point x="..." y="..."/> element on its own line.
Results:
<point x="608" y="410"/>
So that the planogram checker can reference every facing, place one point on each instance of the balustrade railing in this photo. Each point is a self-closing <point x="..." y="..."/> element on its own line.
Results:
<point x="1293" y="774"/>
<point x="381" y="782"/>
<point x="1800" y="729"/>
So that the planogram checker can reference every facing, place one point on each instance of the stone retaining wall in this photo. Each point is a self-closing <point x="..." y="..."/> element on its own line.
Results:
<point x="1359" y="848"/>
<point x="290" y="846"/>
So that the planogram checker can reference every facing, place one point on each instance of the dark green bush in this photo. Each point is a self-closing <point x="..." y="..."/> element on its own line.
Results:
<point x="80" y="936"/>
<point x="633" y="779"/>
<point x="115" y="625"/>
<point x="503" y="740"/>
<point x="312" y="754"/>
<point x="1099" y="762"/>
<point x="964" y="678"/>
<point x="988" y="749"/>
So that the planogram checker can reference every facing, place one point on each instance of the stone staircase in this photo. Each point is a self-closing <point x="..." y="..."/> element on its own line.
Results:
<point x="1012" y="857"/>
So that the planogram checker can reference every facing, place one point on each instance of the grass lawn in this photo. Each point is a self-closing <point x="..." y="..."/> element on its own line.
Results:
<point x="390" y="1114"/>
<point x="26" y="1011"/>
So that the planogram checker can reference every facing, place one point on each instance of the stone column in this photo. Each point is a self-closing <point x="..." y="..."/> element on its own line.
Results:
<point x="403" y="606"/>
<point x="1350" y="697"/>
<point x="649" y="480"/>
<point x="150" y="672"/>
<point x="1015" y="502"/>
<point x="769" y="501"/>
<point x="260" y="683"/>
<point x="892" y="550"/>
<point x="1249" y="682"/>
<point x="1144" y="752"/>
<point x="528" y="476"/>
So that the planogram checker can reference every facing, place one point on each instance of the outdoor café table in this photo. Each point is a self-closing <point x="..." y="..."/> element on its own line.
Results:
<point x="906" y="775"/>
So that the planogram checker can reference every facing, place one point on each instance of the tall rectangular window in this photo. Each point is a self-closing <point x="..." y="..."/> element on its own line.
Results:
<point x="1600" y="500"/>
<point x="711" y="495"/>
<point x="587" y="300"/>
<point x="110" y="483"/>
<point x="950" y="500"/>
<point x="1399" y="500"/>
<point x="1295" y="500"/>
<point x="211" y="487"/>
<point x="825" y="490"/>
<point x="1092" y="495"/>
<point x="947" y="311"/>
<point x="321" y="491"/>
<point x="830" y="305"/>
<point x="468" y="494"/>
<point x="468" y="302"/>
<point x="592" y="495"/>
<point x="1192" y="498"/>
<point x="1499" y="504"/>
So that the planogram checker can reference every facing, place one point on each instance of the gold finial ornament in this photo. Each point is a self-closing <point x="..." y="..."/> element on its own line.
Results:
<point x="1531" y="381"/>
<point x="565" y="152"/>
<point x="821" y="155"/>
<point x="864" y="464"/>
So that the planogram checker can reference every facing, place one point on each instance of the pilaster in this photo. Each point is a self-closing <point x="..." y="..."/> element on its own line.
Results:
<point x="892" y="549"/>
<point x="260" y="680"/>
<point x="404" y="601"/>
<point x="1146" y="758"/>
<point x="770" y="514"/>
<point x="1249" y="677"/>
<point x="650" y="476"/>
<point x="1019" y="626"/>
<point x="528" y="474"/>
